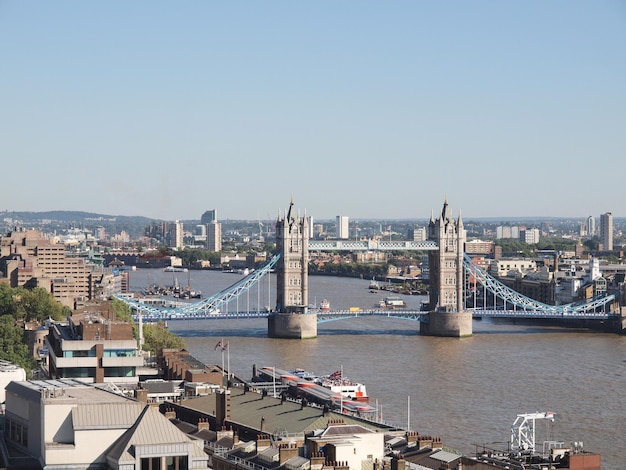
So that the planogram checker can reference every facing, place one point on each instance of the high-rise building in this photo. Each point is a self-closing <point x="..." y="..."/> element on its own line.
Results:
<point x="214" y="236"/>
<point x="590" y="225"/>
<point x="208" y="217"/>
<point x="606" y="231"/>
<point x="176" y="235"/>
<point x="343" y="231"/>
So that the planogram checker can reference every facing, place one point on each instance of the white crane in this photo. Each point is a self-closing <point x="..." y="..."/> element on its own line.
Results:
<point x="523" y="430"/>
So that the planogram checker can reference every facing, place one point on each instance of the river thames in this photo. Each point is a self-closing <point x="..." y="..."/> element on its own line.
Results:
<point x="467" y="391"/>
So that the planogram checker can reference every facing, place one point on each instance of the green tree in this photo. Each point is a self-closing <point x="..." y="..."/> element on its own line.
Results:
<point x="157" y="336"/>
<point x="38" y="304"/>
<point x="30" y="304"/>
<point x="13" y="346"/>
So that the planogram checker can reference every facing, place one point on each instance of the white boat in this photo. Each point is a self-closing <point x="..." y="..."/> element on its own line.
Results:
<point x="325" y="305"/>
<point x="345" y="387"/>
<point x="174" y="269"/>
<point x="374" y="284"/>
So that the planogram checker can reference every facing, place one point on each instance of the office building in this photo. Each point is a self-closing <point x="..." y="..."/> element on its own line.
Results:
<point x="343" y="232"/>
<point x="606" y="231"/>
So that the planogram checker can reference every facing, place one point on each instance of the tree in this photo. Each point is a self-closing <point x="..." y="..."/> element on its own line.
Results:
<point x="30" y="304"/>
<point x="13" y="346"/>
<point x="123" y="312"/>
<point x="38" y="304"/>
<point x="157" y="336"/>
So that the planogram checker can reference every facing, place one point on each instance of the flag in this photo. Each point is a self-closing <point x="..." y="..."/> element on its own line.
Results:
<point x="225" y="347"/>
<point x="218" y="345"/>
<point x="336" y="375"/>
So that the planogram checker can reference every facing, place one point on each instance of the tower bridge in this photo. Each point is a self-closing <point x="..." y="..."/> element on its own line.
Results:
<point x="451" y="271"/>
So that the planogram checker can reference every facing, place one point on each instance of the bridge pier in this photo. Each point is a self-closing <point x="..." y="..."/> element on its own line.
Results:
<point x="447" y="324"/>
<point x="292" y="325"/>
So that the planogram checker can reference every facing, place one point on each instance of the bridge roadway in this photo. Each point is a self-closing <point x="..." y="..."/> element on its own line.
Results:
<point x="371" y="245"/>
<point x="322" y="317"/>
<point x="415" y="315"/>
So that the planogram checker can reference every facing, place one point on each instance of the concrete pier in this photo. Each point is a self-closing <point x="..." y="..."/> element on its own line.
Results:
<point x="292" y="325"/>
<point x="448" y="324"/>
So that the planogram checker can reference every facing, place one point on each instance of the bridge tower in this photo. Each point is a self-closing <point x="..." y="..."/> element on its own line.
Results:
<point x="446" y="308"/>
<point x="291" y="318"/>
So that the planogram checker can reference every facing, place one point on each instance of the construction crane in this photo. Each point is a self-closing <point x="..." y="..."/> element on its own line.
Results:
<point x="523" y="430"/>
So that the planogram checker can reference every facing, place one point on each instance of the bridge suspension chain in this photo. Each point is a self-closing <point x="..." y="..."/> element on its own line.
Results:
<point x="513" y="297"/>
<point x="210" y="304"/>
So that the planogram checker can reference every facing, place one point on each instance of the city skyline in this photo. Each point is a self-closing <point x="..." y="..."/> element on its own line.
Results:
<point x="165" y="111"/>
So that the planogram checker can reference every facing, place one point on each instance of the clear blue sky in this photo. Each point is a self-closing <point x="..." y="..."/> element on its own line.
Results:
<point x="358" y="108"/>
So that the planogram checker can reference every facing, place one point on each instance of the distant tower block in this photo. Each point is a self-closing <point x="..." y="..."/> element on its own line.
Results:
<point x="447" y="316"/>
<point x="290" y="319"/>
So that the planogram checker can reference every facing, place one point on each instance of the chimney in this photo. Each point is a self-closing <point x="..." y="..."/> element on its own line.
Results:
<point x="203" y="423"/>
<point x="287" y="451"/>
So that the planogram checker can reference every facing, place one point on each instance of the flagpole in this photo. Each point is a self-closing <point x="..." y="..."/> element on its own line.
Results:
<point x="228" y="356"/>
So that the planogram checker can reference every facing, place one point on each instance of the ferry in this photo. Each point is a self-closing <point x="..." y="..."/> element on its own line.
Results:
<point x="325" y="305"/>
<point x="174" y="269"/>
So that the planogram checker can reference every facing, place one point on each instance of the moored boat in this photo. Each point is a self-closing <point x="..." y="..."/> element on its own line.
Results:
<point x="335" y="384"/>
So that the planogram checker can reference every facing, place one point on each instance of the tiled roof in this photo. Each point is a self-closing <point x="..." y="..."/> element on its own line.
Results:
<point x="151" y="429"/>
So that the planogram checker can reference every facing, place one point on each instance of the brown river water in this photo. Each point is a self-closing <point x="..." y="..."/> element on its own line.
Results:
<point x="467" y="391"/>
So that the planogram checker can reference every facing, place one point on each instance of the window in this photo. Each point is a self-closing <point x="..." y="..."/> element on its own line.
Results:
<point x="151" y="463"/>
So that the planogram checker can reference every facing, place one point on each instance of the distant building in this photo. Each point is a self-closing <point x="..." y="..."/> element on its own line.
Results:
<point x="505" y="231"/>
<point x="503" y="267"/>
<point x="208" y="217"/>
<point x="529" y="236"/>
<point x="418" y="234"/>
<point x="478" y="247"/>
<point x="176" y="234"/>
<point x="343" y="230"/>
<point x="590" y="226"/>
<point x="606" y="231"/>
<point x="29" y="259"/>
<point x="214" y="236"/>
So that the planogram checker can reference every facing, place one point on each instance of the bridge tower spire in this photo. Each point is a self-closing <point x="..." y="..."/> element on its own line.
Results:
<point x="447" y="316"/>
<point x="291" y="318"/>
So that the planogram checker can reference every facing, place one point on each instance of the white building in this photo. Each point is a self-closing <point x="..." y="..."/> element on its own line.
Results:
<point x="343" y="231"/>
<point x="529" y="236"/>
<point x="64" y="424"/>
<point x="356" y="445"/>
<point x="503" y="267"/>
<point x="214" y="236"/>
<point x="8" y="373"/>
